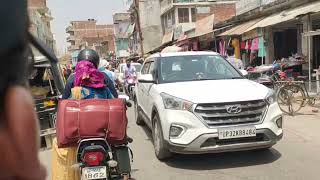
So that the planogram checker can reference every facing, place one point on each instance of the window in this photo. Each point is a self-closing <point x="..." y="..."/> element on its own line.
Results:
<point x="145" y="69"/>
<point x="194" y="14"/>
<point x="151" y="68"/>
<point x="183" y="14"/>
<point x="169" y="16"/>
<point x="195" y="68"/>
<point x="173" y="17"/>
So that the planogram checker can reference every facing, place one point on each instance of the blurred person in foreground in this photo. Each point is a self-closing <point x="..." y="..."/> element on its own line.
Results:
<point x="19" y="131"/>
<point x="237" y="63"/>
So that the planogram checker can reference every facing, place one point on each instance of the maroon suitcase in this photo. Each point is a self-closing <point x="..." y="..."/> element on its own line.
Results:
<point x="93" y="118"/>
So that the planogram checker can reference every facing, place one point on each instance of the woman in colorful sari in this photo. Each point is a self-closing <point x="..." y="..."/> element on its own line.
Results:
<point x="86" y="83"/>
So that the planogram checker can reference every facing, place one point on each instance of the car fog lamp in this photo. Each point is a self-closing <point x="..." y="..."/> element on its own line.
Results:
<point x="176" y="131"/>
<point x="279" y="122"/>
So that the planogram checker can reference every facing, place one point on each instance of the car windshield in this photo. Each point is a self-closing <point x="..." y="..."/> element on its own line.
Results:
<point x="137" y="66"/>
<point x="195" y="68"/>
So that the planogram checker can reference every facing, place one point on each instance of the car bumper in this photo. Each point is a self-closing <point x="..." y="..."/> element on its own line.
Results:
<point x="198" y="138"/>
<point x="209" y="143"/>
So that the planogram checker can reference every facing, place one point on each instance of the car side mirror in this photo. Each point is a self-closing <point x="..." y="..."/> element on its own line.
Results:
<point x="244" y="72"/>
<point x="146" y="78"/>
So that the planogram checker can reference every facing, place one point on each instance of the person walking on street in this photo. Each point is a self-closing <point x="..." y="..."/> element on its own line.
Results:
<point x="237" y="63"/>
<point x="107" y="70"/>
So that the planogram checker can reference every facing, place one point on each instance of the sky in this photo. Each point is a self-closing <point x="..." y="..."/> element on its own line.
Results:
<point x="64" y="11"/>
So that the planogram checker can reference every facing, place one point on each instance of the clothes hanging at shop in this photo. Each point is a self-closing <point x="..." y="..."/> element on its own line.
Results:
<point x="222" y="49"/>
<point x="262" y="49"/>
<point x="255" y="44"/>
<point x="236" y="45"/>
<point x="243" y="45"/>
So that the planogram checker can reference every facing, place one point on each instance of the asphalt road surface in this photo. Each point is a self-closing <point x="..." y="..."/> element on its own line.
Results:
<point x="296" y="157"/>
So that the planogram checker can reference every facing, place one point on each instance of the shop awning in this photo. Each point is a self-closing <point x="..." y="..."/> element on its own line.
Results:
<point x="204" y="26"/>
<point x="240" y="29"/>
<point x="287" y="15"/>
<point x="167" y="37"/>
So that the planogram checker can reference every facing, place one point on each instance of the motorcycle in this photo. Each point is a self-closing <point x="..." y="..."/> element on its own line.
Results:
<point x="130" y="85"/>
<point x="97" y="159"/>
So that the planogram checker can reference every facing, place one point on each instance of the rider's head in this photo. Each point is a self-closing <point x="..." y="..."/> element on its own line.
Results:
<point x="89" y="55"/>
<point x="230" y="51"/>
<point x="128" y="63"/>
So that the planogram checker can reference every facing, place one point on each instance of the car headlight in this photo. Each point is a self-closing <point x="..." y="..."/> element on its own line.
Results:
<point x="271" y="97"/>
<point x="171" y="102"/>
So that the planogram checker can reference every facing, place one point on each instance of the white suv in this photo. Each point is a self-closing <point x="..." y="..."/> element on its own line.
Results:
<point x="196" y="102"/>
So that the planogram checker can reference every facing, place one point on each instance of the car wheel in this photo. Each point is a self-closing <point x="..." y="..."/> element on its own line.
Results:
<point x="161" y="150"/>
<point x="137" y="116"/>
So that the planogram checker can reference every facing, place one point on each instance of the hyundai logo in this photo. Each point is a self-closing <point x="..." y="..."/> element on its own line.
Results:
<point x="234" y="109"/>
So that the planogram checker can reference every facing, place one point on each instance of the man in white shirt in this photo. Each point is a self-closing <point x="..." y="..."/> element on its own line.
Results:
<point x="237" y="63"/>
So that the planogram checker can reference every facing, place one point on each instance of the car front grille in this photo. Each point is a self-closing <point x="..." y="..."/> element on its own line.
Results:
<point x="219" y="114"/>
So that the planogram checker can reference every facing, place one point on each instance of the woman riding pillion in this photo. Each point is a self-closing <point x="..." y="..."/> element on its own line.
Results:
<point x="86" y="57"/>
<point x="86" y="83"/>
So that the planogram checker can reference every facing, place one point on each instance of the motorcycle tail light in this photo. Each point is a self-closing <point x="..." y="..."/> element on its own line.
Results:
<point x="93" y="158"/>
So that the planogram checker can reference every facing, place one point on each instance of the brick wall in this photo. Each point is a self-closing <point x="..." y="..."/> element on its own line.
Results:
<point x="222" y="12"/>
<point x="37" y="3"/>
<point x="89" y="31"/>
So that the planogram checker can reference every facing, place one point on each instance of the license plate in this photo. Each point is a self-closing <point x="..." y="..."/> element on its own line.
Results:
<point x="237" y="132"/>
<point x="99" y="172"/>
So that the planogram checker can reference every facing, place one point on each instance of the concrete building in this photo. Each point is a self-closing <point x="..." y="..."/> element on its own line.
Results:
<point x="147" y="25"/>
<point x="122" y="23"/>
<point x="180" y="16"/>
<point x="89" y="34"/>
<point x="285" y="29"/>
<point x="40" y="23"/>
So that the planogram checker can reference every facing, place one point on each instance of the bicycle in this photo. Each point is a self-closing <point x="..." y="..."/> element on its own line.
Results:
<point x="293" y="95"/>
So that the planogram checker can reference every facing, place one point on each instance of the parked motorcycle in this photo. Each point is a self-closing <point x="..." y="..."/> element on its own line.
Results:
<point x="100" y="160"/>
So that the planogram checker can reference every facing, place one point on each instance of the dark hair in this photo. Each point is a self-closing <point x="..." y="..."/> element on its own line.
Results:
<point x="230" y="51"/>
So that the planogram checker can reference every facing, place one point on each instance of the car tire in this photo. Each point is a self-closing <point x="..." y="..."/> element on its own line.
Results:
<point x="137" y="115"/>
<point x="161" y="150"/>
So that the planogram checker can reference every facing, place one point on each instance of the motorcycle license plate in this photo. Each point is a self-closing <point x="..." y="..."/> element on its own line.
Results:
<point x="237" y="132"/>
<point x="99" y="172"/>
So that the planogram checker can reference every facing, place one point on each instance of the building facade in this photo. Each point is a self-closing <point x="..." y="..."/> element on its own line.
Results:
<point x="272" y="31"/>
<point x="180" y="16"/>
<point x="122" y="23"/>
<point x="147" y="30"/>
<point x="40" y="23"/>
<point x="89" y="34"/>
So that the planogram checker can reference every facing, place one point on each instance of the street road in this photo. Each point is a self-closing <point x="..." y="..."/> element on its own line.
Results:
<point x="296" y="157"/>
